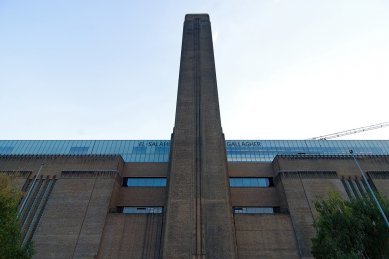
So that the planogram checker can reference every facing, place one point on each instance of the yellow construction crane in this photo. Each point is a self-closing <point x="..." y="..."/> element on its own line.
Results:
<point x="352" y="131"/>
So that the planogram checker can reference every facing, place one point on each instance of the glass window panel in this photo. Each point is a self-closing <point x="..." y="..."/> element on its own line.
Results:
<point x="158" y="151"/>
<point x="55" y="146"/>
<point x="16" y="144"/>
<point x="142" y="210"/>
<point x="145" y="182"/>
<point x="58" y="147"/>
<point x="51" y="147"/>
<point x="12" y="143"/>
<point x="25" y="145"/>
<point x="6" y="150"/>
<point x="141" y="182"/>
<point x="37" y="147"/>
<point x="97" y="147"/>
<point x="112" y="147"/>
<point x="78" y="150"/>
<point x="250" y="182"/>
<point x="254" y="210"/>
<point x="139" y="150"/>
<point x="32" y="148"/>
<point x="62" y="147"/>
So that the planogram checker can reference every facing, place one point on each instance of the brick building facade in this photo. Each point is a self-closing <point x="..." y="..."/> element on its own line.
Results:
<point x="194" y="196"/>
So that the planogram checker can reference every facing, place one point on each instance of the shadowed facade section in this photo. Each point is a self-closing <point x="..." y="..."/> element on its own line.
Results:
<point x="199" y="220"/>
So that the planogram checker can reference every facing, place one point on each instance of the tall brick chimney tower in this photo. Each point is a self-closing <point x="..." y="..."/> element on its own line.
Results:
<point x="199" y="220"/>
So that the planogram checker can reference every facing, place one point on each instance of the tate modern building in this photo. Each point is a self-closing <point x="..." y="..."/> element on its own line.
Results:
<point x="196" y="195"/>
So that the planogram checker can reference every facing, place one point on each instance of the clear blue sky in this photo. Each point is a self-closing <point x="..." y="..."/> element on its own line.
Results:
<point x="109" y="69"/>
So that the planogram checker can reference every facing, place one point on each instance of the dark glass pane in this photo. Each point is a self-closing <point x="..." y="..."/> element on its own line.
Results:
<point x="254" y="210"/>
<point x="142" y="210"/>
<point x="145" y="182"/>
<point x="250" y="182"/>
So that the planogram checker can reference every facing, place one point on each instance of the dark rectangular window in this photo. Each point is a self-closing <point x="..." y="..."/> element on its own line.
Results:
<point x="251" y="182"/>
<point x="78" y="150"/>
<point x="145" y="182"/>
<point x="142" y="210"/>
<point x="255" y="210"/>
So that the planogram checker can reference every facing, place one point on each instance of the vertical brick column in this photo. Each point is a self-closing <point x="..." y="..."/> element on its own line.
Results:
<point x="198" y="222"/>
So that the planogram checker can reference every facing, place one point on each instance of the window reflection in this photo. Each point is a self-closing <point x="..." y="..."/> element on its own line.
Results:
<point x="158" y="150"/>
<point x="78" y="150"/>
<point x="255" y="210"/>
<point x="145" y="182"/>
<point x="142" y="210"/>
<point x="251" y="181"/>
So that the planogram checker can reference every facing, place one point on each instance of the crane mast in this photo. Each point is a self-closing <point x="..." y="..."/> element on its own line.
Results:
<point x="352" y="131"/>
